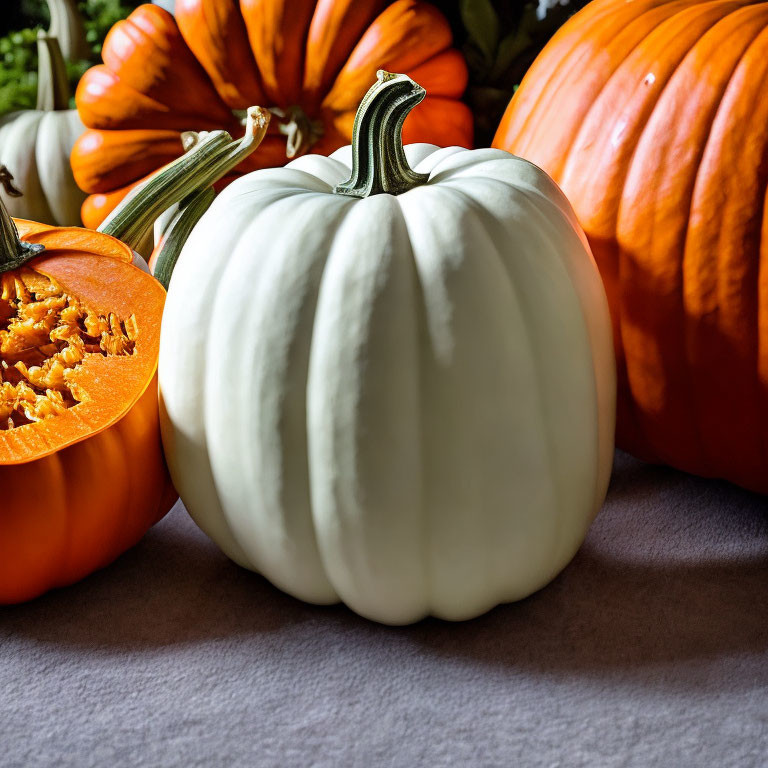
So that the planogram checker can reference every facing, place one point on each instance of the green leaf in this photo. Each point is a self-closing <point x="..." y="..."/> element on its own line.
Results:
<point x="509" y="49"/>
<point x="482" y="25"/>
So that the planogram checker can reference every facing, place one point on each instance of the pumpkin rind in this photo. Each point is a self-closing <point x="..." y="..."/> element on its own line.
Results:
<point x="163" y="75"/>
<point x="411" y="404"/>
<point x="651" y="117"/>
<point x="76" y="510"/>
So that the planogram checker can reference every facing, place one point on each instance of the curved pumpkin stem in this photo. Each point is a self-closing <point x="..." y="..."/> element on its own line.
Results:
<point x="378" y="157"/>
<point x="67" y="26"/>
<point x="13" y="252"/>
<point x="52" y="81"/>
<point x="177" y="232"/>
<point x="210" y="156"/>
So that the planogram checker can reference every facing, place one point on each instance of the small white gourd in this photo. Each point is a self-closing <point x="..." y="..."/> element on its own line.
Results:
<point x="35" y="146"/>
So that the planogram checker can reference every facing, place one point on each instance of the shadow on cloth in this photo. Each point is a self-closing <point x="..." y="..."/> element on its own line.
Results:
<point x="675" y="569"/>
<point x="174" y="587"/>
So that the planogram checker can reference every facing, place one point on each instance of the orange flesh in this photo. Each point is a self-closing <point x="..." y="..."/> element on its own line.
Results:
<point x="85" y="330"/>
<point x="46" y="334"/>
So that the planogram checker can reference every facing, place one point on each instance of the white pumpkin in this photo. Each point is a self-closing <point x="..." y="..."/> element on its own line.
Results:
<point x="402" y="402"/>
<point x="35" y="146"/>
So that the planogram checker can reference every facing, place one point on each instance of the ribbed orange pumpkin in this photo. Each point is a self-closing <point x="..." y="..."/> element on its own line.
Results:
<point x="82" y="474"/>
<point x="652" y="115"/>
<point x="311" y="61"/>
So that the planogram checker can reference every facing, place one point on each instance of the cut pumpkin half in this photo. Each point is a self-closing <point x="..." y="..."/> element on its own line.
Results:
<point x="82" y="475"/>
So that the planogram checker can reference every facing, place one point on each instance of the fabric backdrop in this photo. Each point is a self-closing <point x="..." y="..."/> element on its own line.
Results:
<point x="651" y="649"/>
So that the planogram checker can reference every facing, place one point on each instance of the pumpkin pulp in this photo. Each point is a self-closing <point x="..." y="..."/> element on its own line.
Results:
<point x="44" y="335"/>
<point x="79" y="332"/>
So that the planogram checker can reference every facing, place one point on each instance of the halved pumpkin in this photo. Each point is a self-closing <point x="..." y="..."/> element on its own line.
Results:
<point x="82" y="475"/>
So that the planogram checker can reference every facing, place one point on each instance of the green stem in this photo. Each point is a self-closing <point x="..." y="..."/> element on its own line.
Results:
<point x="378" y="158"/>
<point x="212" y="156"/>
<point x="52" y="81"/>
<point x="13" y="252"/>
<point x="177" y="232"/>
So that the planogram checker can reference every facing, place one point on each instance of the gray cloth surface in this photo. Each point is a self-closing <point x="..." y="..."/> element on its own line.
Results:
<point x="650" y="649"/>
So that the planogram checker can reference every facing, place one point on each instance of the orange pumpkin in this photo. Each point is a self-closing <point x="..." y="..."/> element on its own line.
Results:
<point x="81" y="466"/>
<point x="309" y="61"/>
<point x="651" y="116"/>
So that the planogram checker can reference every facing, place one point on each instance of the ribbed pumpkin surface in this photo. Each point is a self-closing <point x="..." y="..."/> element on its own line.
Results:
<point x="652" y="117"/>
<point x="163" y="75"/>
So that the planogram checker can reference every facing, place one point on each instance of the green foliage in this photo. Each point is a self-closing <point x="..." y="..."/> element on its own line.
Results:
<point x="18" y="78"/>
<point x="482" y="24"/>
<point x="18" y="49"/>
<point x="500" y="39"/>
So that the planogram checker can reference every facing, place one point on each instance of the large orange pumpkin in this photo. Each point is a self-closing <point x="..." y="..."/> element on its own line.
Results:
<point x="310" y="61"/>
<point x="651" y="115"/>
<point x="82" y="474"/>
